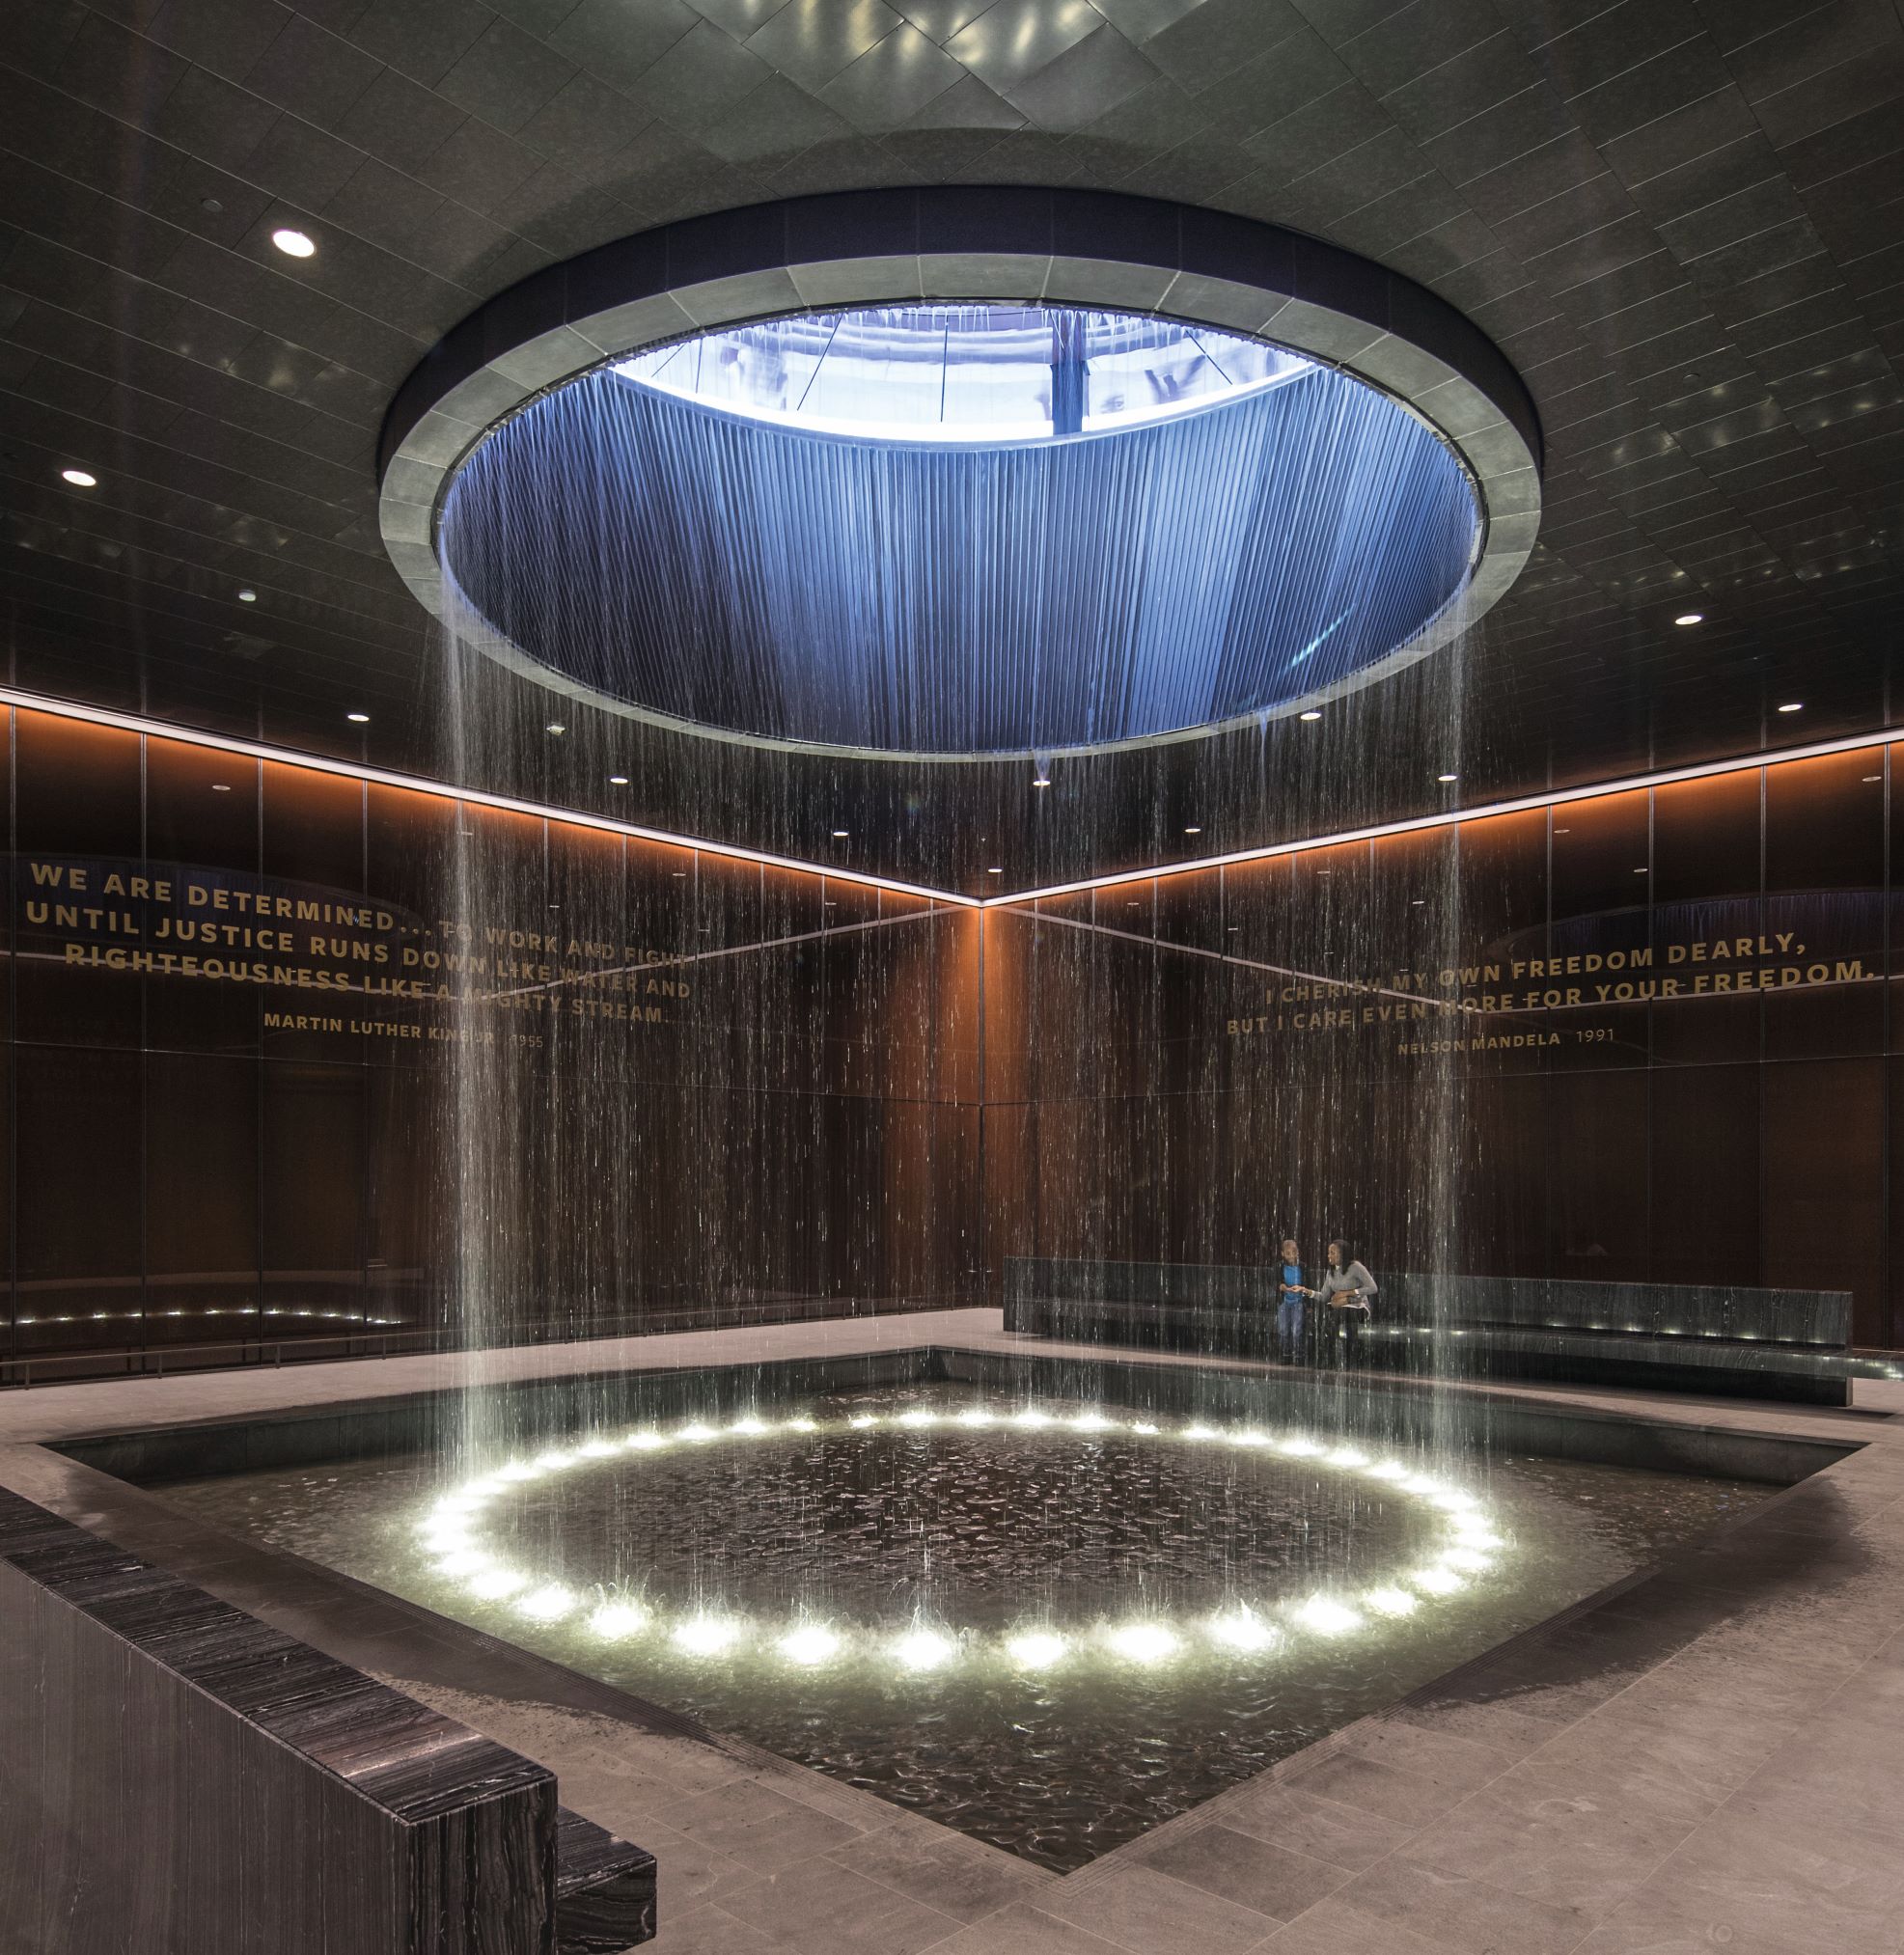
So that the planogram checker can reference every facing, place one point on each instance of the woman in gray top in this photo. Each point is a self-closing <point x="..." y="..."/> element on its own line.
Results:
<point x="1346" y="1288"/>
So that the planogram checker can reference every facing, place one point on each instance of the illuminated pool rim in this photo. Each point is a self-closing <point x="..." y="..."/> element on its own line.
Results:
<point x="1245" y="1626"/>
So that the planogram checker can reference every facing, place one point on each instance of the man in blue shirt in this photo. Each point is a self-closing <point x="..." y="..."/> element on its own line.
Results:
<point x="1289" y="1302"/>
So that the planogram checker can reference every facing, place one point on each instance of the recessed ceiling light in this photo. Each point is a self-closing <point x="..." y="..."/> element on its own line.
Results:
<point x="994" y="871"/>
<point x="221" y="786"/>
<point x="1873" y="777"/>
<point x="1690" y="617"/>
<point x="842" y="833"/>
<point x="554" y="727"/>
<point x="1041" y="783"/>
<point x="358" y="719"/>
<point x="1421" y="902"/>
<point x="1446" y="777"/>
<point x="618" y="780"/>
<point x="293" y="243"/>
<point x="78" y="478"/>
<point x="1192" y="831"/>
<point x="1792" y="706"/>
<point x="247" y="596"/>
<point x="1639" y="871"/>
<point x="1312" y="714"/>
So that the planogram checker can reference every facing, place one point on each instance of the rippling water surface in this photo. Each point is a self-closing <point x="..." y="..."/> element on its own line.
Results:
<point x="981" y="1537"/>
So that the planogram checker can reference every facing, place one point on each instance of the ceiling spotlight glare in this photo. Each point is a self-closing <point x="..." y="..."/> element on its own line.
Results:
<point x="616" y="1619"/>
<point x="1444" y="779"/>
<point x="358" y="719"/>
<point x="705" y="1634"/>
<point x="1036" y="1651"/>
<point x="1144" y="1642"/>
<point x="1792" y="706"/>
<point x="925" y="1649"/>
<point x="842" y="834"/>
<point x="618" y="780"/>
<point x="995" y="871"/>
<point x="293" y="243"/>
<point x="1041" y="782"/>
<point x="554" y="727"/>
<point x="79" y="477"/>
<point x="813" y="1642"/>
<point x="1690" y="617"/>
<point x="1312" y="714"/>
<point x="247" y="596"/>
<point x="1192" y="831"/>
<point x="221" y="786"/>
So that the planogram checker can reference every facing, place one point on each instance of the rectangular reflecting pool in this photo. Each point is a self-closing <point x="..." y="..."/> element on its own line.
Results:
<point x="1049" y="1605"/>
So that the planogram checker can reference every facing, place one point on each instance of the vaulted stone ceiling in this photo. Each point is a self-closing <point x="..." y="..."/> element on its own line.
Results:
<point x="1683" y="222"/>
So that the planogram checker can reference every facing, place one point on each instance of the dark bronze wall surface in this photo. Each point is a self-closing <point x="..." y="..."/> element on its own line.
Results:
<point x="736" y="1089"/>
<point x="1423" y="1042"/>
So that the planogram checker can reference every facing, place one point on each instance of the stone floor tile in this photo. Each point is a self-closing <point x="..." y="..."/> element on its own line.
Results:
<point x="1791" y="1877"/>
<point x="1253" y="1873"/>
<point x="943" y="1869"/>
<point x="1291" y="1818"/>
<point x="1336" y="1927"/>
<point x="821" y="1908"/>
<point x="1150" y="1914"/>
<point x="1453" y="1912"/>
<point x="1499" y="1726"/>
<point x="707" y="1930"/>
<point x="1412" y="1797"/>
<point x="1025" y="1930"/>
<point x="1567" y="1850"/>
<point x="1455" y="1762"/>
<point x="759" y="1827"/>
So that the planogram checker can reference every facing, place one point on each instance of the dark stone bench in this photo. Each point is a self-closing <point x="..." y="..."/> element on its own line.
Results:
<point x="1689" y="1337"/>
<point x="182" y="1779"/>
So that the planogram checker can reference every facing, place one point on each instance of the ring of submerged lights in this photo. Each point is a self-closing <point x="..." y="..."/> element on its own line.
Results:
<point x="1042" y="247"/>
<point x="1472" y="1547"/>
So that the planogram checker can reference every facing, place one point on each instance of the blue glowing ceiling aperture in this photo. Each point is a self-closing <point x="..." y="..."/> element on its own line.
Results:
<point x="960" y="530"/>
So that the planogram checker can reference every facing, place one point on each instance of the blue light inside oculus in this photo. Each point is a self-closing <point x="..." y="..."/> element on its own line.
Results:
<point x="964" y="373"/>
<point x="960" y="530"/>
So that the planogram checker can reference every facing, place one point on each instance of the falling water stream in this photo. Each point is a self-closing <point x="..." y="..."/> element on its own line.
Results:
<point x="821" y="1078"/>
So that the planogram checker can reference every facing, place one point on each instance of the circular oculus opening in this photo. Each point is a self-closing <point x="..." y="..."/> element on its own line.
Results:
<point x="959" y="531"/>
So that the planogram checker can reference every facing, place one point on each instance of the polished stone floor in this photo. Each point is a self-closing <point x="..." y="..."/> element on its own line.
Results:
<point x="1709" y="1756"/>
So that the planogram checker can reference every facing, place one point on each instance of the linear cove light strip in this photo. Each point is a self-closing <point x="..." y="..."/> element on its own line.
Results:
<point x="442" y="791"/>
<point x="1420" y="824"/>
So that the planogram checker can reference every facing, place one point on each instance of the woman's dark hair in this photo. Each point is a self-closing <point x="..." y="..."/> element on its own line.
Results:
<point x="1337" y="1242"/>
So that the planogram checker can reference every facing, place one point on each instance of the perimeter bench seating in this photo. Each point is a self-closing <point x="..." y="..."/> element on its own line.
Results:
<point x="1692" y="1337"/>
<point x="183" y="1780"/>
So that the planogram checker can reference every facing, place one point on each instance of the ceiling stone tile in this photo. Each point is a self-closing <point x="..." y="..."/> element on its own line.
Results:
<point x="1013" y="40"/>
<point x="891" y="81"/>
<point x="310" y="72"/>
<point x="399" y="122"/>
<point x="584" y="121"/>
<point x="618" y="44"/>
<point x="1213" y="42"/>
<point x="421" y="39"/>
<point x="811" y="42"/>
<point x="227" y="36"/>
<point x="1073" y="92"/>
<point x="773" y="124"/>
<point x="700" y="79"/>
<point x="506" y="76"/>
